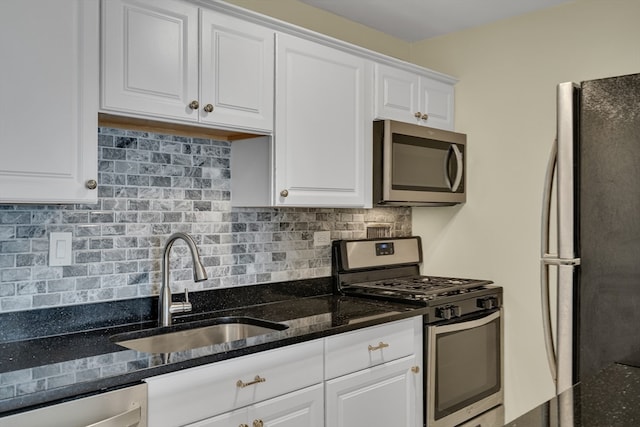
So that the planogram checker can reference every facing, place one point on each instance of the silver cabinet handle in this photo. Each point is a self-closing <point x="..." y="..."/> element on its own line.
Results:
<point x="92" y="184"/>
<point x="284" y="193"/>
<point x="130" y="418"/>
<point x="194" y="105"/>
<point x="425" y="117"/>
<point x="258" y="379"/>
<point x="417" y="114"/>
<point x="208" y="108"/>
<point x="380" y="346"/>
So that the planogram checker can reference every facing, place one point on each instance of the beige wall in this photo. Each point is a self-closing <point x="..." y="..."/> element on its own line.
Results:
<point x="315" y="19"/>
<point x="505" y="102"/>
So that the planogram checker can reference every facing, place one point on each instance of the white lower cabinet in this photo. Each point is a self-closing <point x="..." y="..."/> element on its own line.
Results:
<point x="382" y="396"/>
<point x="302" y="408"/>
<point x="371" y="377"/>
<point x="220" y="389"/>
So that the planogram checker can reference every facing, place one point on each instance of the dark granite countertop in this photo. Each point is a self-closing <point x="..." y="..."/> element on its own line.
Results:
<point x="610" y="398"/>
<point x="57" y="354"/>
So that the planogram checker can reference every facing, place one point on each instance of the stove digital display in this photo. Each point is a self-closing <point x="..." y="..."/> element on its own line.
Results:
<point x="384" y="248"/>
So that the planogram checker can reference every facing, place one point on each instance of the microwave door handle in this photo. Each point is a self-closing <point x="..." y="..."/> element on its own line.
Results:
<point x="453" y="149"/>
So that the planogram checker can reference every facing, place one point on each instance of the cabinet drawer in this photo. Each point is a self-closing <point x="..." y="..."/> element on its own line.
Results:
<point x="373" y="346"/>
<point x="194" y="394"/>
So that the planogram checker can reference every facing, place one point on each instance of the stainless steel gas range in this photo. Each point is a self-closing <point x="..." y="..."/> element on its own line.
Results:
<point x="463" y="335"/>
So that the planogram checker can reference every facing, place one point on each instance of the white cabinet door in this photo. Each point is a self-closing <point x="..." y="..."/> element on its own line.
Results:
<point x="48" y="100"/>
<point x="323" y="127"/>
<point x="302" y="408"/>
<point x="412" y="98"/>
<point x="396" y="94"/>
<point x="150" y="58"/>
<point x="236" y="418"/>
<point x="382" y="396"/>
<point x="436" y="99"/>
<point x="236" y="72"/>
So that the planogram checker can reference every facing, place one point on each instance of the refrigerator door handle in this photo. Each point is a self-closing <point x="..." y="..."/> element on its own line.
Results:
<point x="552" y="259"/>
<point x="547" y="259"/>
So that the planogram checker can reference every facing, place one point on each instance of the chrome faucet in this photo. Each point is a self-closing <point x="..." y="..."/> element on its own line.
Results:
<point x="165" y="307"/>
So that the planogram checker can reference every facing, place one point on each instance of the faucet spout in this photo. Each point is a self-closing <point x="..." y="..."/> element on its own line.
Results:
<point x="165" y="306"/>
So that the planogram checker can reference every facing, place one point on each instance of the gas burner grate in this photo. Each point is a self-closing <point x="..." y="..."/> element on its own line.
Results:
<point x="425" y="285"/>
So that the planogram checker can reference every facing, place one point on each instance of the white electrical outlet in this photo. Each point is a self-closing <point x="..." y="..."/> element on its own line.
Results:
<point x="59" y="249"/>
<point x="322" y="238"/>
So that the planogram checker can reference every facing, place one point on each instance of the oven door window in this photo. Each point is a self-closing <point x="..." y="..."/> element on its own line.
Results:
<point x="421" y="164"/>
<point x="467" y="365"/>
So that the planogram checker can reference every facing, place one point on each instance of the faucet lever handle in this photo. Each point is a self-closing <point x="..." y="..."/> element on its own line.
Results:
<point x="181" y="307"/>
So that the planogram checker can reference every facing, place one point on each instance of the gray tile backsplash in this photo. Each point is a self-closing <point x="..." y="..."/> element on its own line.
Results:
<point x="151" y="185"/>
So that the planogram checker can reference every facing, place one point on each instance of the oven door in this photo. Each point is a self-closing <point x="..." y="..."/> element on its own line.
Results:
<point x="465" y="368"/>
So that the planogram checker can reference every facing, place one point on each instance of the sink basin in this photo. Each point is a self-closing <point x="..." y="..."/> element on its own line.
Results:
<point x="185" y="336"/>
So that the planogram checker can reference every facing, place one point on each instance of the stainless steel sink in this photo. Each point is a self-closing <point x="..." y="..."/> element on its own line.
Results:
<point x="185" y="337"/>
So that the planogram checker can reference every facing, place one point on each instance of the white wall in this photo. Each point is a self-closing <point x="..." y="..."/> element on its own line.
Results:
<point x="505" y="102"/>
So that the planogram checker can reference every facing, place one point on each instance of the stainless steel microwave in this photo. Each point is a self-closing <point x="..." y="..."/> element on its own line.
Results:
<point x="417" y="165"/>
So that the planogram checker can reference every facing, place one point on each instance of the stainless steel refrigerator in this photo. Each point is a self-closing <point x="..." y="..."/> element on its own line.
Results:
<point x="593" y="190"/>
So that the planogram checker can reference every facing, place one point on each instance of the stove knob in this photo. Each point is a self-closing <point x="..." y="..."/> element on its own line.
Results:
<point x="448" y="312"/>
<point x="443" y="313"/>
<point x="487" y="303"/>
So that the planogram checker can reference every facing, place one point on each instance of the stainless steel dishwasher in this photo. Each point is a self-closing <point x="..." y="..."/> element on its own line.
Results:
<point x="125" y="407"/>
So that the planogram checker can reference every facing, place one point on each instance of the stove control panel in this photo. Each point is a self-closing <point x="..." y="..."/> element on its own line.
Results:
<point x="384" y="248"/>
<point x="451" y="307"/>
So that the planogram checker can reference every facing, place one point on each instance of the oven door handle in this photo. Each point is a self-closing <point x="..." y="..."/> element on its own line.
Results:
<point x="468" y="324"/>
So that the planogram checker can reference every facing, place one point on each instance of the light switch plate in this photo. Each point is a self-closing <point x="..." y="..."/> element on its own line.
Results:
<point x="59" y="249"/>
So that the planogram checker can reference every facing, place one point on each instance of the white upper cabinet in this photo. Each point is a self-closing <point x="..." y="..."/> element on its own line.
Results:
<point x="236" y="72"/>
<point x="150" y="58"/>
<point x="168" y="59"/>
<point x="48" y="101"/>
<point x="323" y="125"/>
<point x="413" y="98"/>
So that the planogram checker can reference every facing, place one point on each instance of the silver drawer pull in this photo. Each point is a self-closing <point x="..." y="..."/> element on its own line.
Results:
<point x="380" y="346"/>
<point x="131" y="417"/>
<point x="256" y="380"/>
